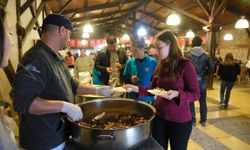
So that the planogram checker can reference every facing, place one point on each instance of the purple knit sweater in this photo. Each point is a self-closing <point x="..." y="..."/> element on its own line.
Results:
<point x="176" y="110"/>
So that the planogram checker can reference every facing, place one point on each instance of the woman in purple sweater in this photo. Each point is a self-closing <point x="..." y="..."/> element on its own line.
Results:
<point x="176" y="75"/>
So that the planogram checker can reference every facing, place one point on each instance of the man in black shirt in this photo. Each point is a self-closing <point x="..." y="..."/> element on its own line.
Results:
<point x="43" y="90"/>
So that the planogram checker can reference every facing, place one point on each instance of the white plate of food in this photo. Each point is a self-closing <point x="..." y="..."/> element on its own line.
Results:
<point x="121" y="89"/>
<point x="157" y="91"/>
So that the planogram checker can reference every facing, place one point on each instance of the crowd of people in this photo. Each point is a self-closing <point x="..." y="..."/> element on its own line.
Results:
<point x="43" y="91"/>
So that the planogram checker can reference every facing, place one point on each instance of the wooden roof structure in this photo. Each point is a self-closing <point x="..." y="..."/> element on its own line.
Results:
<point x="125" y="15"/>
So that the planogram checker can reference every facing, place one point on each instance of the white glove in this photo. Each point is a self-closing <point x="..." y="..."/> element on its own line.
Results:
<point x="72" y="110"/>
<point x="105" y="91"/>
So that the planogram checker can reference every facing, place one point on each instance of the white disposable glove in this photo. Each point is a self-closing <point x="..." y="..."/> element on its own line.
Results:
<point x="72" y="110"/>
<point x="104" y="90"/>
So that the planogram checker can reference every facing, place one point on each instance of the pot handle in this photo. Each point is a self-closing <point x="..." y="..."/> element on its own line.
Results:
<point x="105" y="137"/>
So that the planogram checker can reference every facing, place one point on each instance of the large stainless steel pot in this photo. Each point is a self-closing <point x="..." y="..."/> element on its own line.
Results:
<point x="116" y="139"/>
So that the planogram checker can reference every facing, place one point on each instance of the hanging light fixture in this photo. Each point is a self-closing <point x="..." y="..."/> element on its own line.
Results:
<point x="173" y="19"/>
<point x="125" y="37"/>
<point x="142" y="31"/>
<point x="228" y="37"/>
<point x="242" y="23"/>
<point x="85" y="35"/>
<point x="190" y="34"/>
<point x="87" y="28"/>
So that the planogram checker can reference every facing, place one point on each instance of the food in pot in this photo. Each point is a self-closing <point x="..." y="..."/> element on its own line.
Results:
<point x="123" y="121"/>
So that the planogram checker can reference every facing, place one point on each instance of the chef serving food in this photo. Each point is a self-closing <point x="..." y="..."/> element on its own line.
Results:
<point x="44" y="90"/>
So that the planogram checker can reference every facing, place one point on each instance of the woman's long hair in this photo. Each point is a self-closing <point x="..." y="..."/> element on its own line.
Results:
<point x="229" y="59"/>
<point x="174" y="55"/>
<point x="2" y="32"/>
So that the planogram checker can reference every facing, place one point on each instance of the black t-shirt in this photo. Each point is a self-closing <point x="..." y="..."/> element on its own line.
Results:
<point x="42" y="73"/>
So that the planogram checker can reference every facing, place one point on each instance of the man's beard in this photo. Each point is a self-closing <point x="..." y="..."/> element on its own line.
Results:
<point x="64" y="46"/>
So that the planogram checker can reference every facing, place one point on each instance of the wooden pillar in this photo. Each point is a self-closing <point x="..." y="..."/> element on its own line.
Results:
<point x="212" y="38"/>
<point x="19" y="29"/>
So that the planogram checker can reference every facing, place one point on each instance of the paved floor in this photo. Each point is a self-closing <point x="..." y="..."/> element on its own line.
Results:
<point x="226" y="129"/>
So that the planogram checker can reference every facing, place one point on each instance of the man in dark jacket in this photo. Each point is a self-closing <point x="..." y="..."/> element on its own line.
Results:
<point x="110" y="62"/>
<point x="203" y="66"/>
<point x="43" y="91"/>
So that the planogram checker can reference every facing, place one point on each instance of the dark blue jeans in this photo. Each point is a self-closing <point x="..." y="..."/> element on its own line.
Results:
<point x="225" y="86"/>
<point x="177" y="133"/>
<point x="202" y="101"/>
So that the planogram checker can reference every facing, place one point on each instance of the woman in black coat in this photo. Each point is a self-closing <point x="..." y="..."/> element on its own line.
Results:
<point x="228" y="71"/>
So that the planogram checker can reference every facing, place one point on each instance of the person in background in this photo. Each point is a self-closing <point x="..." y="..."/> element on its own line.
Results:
<point x="248" y="67"/>
<point x="176" y="75"/>
<point x="43" y="91"/>
<point x="152" y="52"/>
<point x="228" y="71"/>
<point x="84" y="67"/>
<point x="129" y="54"/>
<point x="70" y="60"/>
<point x="139" y="70"/>
<point x="6" y="141"/>
<point x="110" y="62"/>
<point x="217" y="61"/>
<point x="203" y="65"/>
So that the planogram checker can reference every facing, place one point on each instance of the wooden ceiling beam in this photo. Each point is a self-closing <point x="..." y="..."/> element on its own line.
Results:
<point x="163" y="20"/>
<point x="98" y="21"/>
<point x="104" y="8"/>
<point x="47" y="9"/>
<point x="33" y="21"/>
<point x="144" y="8"/>
<point x="65" y="6"/>
<point x="145" y="24"/>
<point x="204" y="7"/>
<point x="97" y="7"/>
<point x="218" y="10"/>
<point x="26" y="5"/>
<point x="33" y="12"/>
<point x="192" y="5"/>
<point x="183" y="12"/>
<point x="237" y="11"/>
<point x="130" y="18"/>
<point x="124" y="12"/>
<point x="99" y="16"/>
<point x="72" y="16"/>
<point x="212" y="5"/>
<point x="59" y="4"/>
<point x="86" y="2"/>
<point x="153" y="12"/>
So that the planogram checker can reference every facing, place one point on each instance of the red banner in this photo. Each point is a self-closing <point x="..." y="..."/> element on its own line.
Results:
<point x="85" y="43"/>
<point x="72" y="43"/>
<point x="98" y="42"/>
<point x="150" y="38"/>
<point x="79" y="43"/>
<point x="182" y="41"/>
<point x="92" y="43"/>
